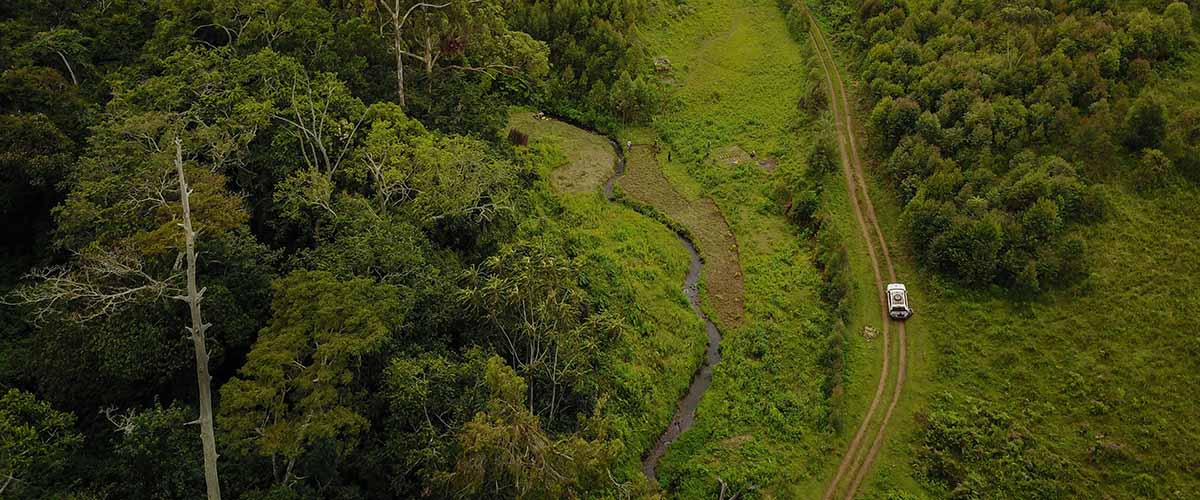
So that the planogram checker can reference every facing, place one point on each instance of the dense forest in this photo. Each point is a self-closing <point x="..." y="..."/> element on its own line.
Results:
<point x="283" y="249"/>
<point x="990" y="120"/>
<point x="313" y="201"/>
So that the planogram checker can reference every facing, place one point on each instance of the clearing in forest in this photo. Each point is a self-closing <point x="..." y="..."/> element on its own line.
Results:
<point x="590" y="157"/>
<point x="638" y="264"/>
<point x="735" y="78"/>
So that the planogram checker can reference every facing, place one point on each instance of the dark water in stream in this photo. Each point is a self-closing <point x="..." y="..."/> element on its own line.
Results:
<point x="685" y="410"/>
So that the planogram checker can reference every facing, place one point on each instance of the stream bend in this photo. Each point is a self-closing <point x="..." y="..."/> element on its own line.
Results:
<point x="685" y="409"/>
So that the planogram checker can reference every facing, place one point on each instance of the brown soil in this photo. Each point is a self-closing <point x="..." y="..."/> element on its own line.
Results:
<point x="732" y="156"/>
<point x="850" y="467"/>
<point x="722" y="276"/>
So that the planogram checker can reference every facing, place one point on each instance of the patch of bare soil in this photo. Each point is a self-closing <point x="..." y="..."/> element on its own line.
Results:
<point x="732" y="156"/>
<point x="645" y="183"/>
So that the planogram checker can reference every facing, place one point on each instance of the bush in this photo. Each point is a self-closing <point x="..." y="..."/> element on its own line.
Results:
<point x="518" y="138"/>
<point x="1153" y="170"/>
<point x="1145" y="123"/>
<point x="974" y="448"/>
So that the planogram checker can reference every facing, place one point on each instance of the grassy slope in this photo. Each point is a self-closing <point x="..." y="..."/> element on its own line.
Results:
<point x="1110" y="362"/>
<point x="636" y="266"/>
<point x="759" y="425"/>
<point x="590" y="156"/>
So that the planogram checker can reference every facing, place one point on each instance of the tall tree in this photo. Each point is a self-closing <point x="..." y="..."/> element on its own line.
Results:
<point x="543" y="322"/>
<point x="123" y="219"/>
<point x="296" y="389"/>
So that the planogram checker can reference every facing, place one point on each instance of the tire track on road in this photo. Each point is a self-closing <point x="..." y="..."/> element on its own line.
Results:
<point x="859" y="195"/>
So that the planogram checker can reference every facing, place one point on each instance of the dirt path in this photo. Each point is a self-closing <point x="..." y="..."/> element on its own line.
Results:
<point x="851" y="468"/>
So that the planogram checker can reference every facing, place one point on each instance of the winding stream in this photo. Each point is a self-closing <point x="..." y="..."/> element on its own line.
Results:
<point x="685" y="410"/>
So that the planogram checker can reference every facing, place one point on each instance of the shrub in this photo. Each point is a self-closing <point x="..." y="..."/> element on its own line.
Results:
<point x="1153" y="170"/>
<point x="518" y="138"/>
<point x="1145" y="123"/>
<point x="974" y="448"/>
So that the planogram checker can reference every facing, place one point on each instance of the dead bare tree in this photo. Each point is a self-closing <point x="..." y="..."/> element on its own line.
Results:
<point x="193" y="297"/>
<point x="399" y="19"/>
<point x="104" y="281"/>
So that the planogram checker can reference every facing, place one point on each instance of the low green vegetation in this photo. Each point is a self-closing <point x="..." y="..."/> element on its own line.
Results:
<point x="636" y="268"/>
<point x="701" y="220"/>
<point x="590" y="157"/>
<point x="731" y="133"/>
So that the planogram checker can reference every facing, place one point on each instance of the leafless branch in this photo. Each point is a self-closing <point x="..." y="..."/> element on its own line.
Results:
<point x="101" y="282"/>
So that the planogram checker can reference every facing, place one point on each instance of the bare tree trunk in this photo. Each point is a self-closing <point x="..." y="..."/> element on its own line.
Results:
<point x="7" y="482"/>
<point x="68" y="63"/>
<point x="399" y="48"/>
<point x="203" y="380"/>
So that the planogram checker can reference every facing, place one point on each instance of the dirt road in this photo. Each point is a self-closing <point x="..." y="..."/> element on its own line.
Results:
<point x="858" y="459"/>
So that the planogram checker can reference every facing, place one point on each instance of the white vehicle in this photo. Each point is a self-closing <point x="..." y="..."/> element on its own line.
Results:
<point x="898" y="301"/>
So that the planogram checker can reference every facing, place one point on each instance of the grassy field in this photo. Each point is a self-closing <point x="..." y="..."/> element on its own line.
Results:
<point x="761" y="427"/>
<point x="721" y="276"/>
<point x="590" y="157"/>
<point x="636" y="267"/>
<point x="1096" y="378"/>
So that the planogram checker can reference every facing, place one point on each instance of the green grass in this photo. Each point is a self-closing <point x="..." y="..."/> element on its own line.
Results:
<point x="760" y="426"/>
<point x="590" y="157"/>
<point x="721" y="276"/>
<point x="1109" y="363"/>
<point x="639" y="268"/>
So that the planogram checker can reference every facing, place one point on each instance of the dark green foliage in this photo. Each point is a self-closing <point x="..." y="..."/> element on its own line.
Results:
<point x="430" y="396"/>
<point x="335" y="226"/>
<point x="1183" y="142"/>
<point x="535" y="313"/>
<point x="965" y="98"/>
<point x="37" y="443"/>
<point x="300" y="376"/>
<point x="506" y="452"/>
<point x="1146" y="123"/>
<point x="600" y="69"/>
<point x="155" y="454"/>
<point x="1154" y="170"/>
